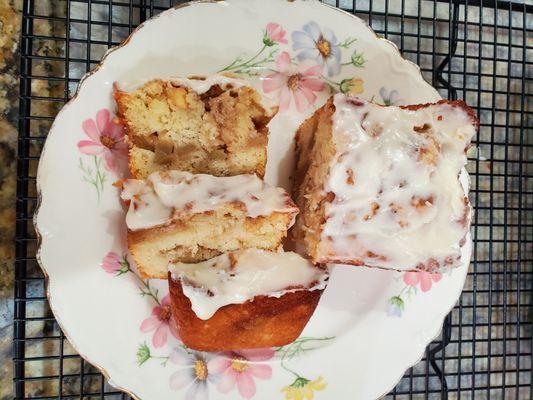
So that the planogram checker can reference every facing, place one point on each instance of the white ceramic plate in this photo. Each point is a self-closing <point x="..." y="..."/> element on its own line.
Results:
<point x="371" y="325"/>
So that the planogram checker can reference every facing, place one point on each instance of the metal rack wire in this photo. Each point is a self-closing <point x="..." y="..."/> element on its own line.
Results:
<point x="476" y="50"/>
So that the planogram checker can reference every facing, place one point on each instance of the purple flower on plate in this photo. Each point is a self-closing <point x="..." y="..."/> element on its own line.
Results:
<point x="319" y="45"/>
<point x="395" y="306"/>
<point x="195" y="374"/>
<point x="390" y="98"/>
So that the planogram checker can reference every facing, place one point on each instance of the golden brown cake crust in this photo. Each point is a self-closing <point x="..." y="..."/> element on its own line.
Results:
<point x="314" y="152"/>
<point x="455" y="103"/>
<point x="258" y="323"/>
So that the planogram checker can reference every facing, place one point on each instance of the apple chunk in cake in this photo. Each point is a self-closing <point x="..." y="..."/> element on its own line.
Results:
<point x="215" y="125"/>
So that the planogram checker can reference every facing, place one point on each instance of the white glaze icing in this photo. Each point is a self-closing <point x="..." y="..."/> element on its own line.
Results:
<point x="234" y="278"/>
<point x="201" y="86"/>
<point x="381" y="171"/>
<point x="165" y="196"/>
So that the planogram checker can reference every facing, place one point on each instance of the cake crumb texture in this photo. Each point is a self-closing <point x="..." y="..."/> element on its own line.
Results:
<point x="221" y="132"/>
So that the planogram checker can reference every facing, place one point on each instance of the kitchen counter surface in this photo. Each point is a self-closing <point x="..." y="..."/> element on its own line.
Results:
<point x="9" y="38"/>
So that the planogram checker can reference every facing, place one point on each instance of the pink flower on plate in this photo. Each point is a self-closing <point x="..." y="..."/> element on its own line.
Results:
<point x="239" y="368"/>
<point x="298" y="82"/>
<point x="274" y="34"/>
<point x="106" y="138"/>
<point x="111" y="263"/>
<point x="423" y="278"/>
<point x="161" y="322"/>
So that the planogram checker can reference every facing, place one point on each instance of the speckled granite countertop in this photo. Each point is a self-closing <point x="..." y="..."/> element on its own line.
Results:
<point x="10" y="23"/>
<point x="9" y="37"/>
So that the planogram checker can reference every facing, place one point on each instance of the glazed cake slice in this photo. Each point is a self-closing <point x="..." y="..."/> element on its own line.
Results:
<point x="215" y="125"/>
<point x="379" y="186"/>
<point x="245" y="299"/>
<point x="178" y="216"/>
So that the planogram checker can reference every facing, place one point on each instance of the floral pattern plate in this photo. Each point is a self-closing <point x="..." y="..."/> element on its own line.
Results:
<point x="370" y="326"/>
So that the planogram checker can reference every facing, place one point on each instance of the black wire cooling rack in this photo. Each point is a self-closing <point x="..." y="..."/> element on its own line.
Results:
<point x="479" y="51"/>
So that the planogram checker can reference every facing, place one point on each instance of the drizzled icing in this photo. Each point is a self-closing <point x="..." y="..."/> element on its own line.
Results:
<point x="165" y="196"/>
<point x="398" y="200"/>
<point x="201" y="86"/>
<point x="234" y="278"/>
